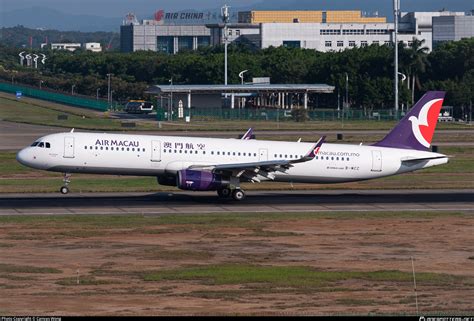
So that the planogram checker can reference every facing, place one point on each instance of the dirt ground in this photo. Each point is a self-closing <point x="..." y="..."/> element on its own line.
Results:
<point x="109" y="262"/>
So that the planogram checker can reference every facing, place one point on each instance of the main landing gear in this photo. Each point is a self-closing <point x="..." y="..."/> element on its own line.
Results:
<point x="66" y="180"/>
<point x="237" y="193"/>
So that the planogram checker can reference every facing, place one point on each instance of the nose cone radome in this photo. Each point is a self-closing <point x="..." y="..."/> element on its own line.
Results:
<point x="25" y="157"/>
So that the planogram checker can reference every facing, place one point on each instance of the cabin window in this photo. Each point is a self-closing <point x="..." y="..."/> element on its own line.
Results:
<point x="85" y="147"/>
<point x="143" y="149"/>
<point x="337" y="158"/>
<point x="233" y="153"/>
<point x="347" y="158"/>
<point x="255" y="154"/>
<point x="90" y="147"/>
<point x="180" y="151"/>
<point x="212" y="152"/>
<point x="128" y="149"/>
<point x="106" y="148"/>
<point x="101" y="148"/>
<point x="332" y="158"/>
<point x="316" y="157"/>
<point x="218" y="153"/>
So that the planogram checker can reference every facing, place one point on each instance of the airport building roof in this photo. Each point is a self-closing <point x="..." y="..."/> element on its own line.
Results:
<point x="245" y="88"/>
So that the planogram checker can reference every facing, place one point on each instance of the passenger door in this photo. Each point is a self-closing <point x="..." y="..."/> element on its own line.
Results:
<point x="262" y="154"/>
<point x="376" y="161"/>
<point x="155" y="151"/>
<point x="68" y="147"/>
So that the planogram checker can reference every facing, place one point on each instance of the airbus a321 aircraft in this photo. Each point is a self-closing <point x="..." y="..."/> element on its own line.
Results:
<point x="215" y="164"/>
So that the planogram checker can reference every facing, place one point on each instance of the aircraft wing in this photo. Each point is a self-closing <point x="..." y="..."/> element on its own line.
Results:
<point x="250" y="171"/>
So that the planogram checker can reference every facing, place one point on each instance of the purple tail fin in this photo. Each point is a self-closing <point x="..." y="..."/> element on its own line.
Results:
<point x="416" y="129"/>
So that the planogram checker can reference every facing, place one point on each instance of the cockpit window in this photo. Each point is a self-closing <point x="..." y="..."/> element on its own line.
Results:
<point x="48" y="145"/>
<point x="34" y="144"/>
<point x="41" y="145"/>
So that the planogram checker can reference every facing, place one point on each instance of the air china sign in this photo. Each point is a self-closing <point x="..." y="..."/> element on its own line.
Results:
<point x="161" y="15"/>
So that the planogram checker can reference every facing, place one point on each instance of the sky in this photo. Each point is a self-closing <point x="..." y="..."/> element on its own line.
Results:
<point x="117" y="8"/>
<point x="107" y="15"/>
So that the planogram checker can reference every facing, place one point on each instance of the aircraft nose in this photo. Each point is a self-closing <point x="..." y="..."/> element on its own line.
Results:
<point x="24" y="157"/>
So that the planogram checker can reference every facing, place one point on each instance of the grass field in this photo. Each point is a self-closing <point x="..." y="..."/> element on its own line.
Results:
<point x="14" y="177"/>
<point x="239" y="263"/>
<point x="34" y="111"/>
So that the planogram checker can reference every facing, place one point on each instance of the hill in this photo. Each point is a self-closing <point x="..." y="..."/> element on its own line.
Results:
<point x="19" y="37"/>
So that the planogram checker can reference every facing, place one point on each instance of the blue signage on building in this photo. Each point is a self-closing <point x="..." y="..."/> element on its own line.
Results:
<point x="19" y="94"/>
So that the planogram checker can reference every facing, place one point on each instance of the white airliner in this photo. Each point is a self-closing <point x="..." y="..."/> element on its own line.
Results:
<point x="205" y="164"/>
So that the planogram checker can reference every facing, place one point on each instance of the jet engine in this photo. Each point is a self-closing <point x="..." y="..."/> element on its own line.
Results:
<point x="200" y="180"/>
<point x="166" y="180"/>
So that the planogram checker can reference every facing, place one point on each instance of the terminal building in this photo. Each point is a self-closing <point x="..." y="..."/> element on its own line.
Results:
<point x="320" y="30"/>
<point x="452" y="28"/>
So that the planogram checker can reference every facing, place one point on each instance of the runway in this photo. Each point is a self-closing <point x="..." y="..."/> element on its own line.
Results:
<point x="256" y="202"/>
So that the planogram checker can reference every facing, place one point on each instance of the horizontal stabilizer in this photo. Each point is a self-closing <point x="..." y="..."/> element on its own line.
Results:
<point x="413" y="160"/>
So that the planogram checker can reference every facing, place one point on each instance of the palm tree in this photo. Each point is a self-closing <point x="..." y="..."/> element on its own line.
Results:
<point x="418" y="61"/>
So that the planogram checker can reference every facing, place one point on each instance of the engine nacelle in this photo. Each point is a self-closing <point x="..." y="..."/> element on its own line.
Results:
<point x="200" y="180"/>
<point x="166" y="180"/>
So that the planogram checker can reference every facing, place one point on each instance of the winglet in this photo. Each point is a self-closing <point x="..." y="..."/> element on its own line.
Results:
<point x="72" y="130"/>
<point x="248" y="134"/>
<point x="315" y="148"/>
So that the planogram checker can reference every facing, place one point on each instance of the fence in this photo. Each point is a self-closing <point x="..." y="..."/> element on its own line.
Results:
<point x="280" y="114"/>
<point x="55" y="97"/>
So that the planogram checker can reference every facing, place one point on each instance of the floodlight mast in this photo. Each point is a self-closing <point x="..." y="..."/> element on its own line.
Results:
<point x="225" y="19"/>
<point x="396" y="14"/>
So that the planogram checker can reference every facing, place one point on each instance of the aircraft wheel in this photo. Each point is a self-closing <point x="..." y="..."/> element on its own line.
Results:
<point x="64" y="190"/>
<point x="238" y="194"/>
<point x="224" y="192"/>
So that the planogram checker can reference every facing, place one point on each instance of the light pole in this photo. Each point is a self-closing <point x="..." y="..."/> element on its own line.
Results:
<point x="396" y="12"/>
<point x="241" y="75"/>
<point x="97" y="93"/>
<point x="108" y="89"/>
<point x="347" y="91"/>
<point x="72" y="90"/>
<point x="111" y="98"/>
<point x="225" y="19"/>
<point x="170" y="106"/>
<point x="13" y="79"/>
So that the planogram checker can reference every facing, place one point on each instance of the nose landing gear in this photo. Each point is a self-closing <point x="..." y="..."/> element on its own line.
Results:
<point x="66" y="180"/>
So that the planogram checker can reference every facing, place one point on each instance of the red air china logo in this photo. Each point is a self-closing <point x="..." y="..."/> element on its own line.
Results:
<point x="159" y="15"/>
<point x="316" y="150"/>
<point x="424" y="125"/>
